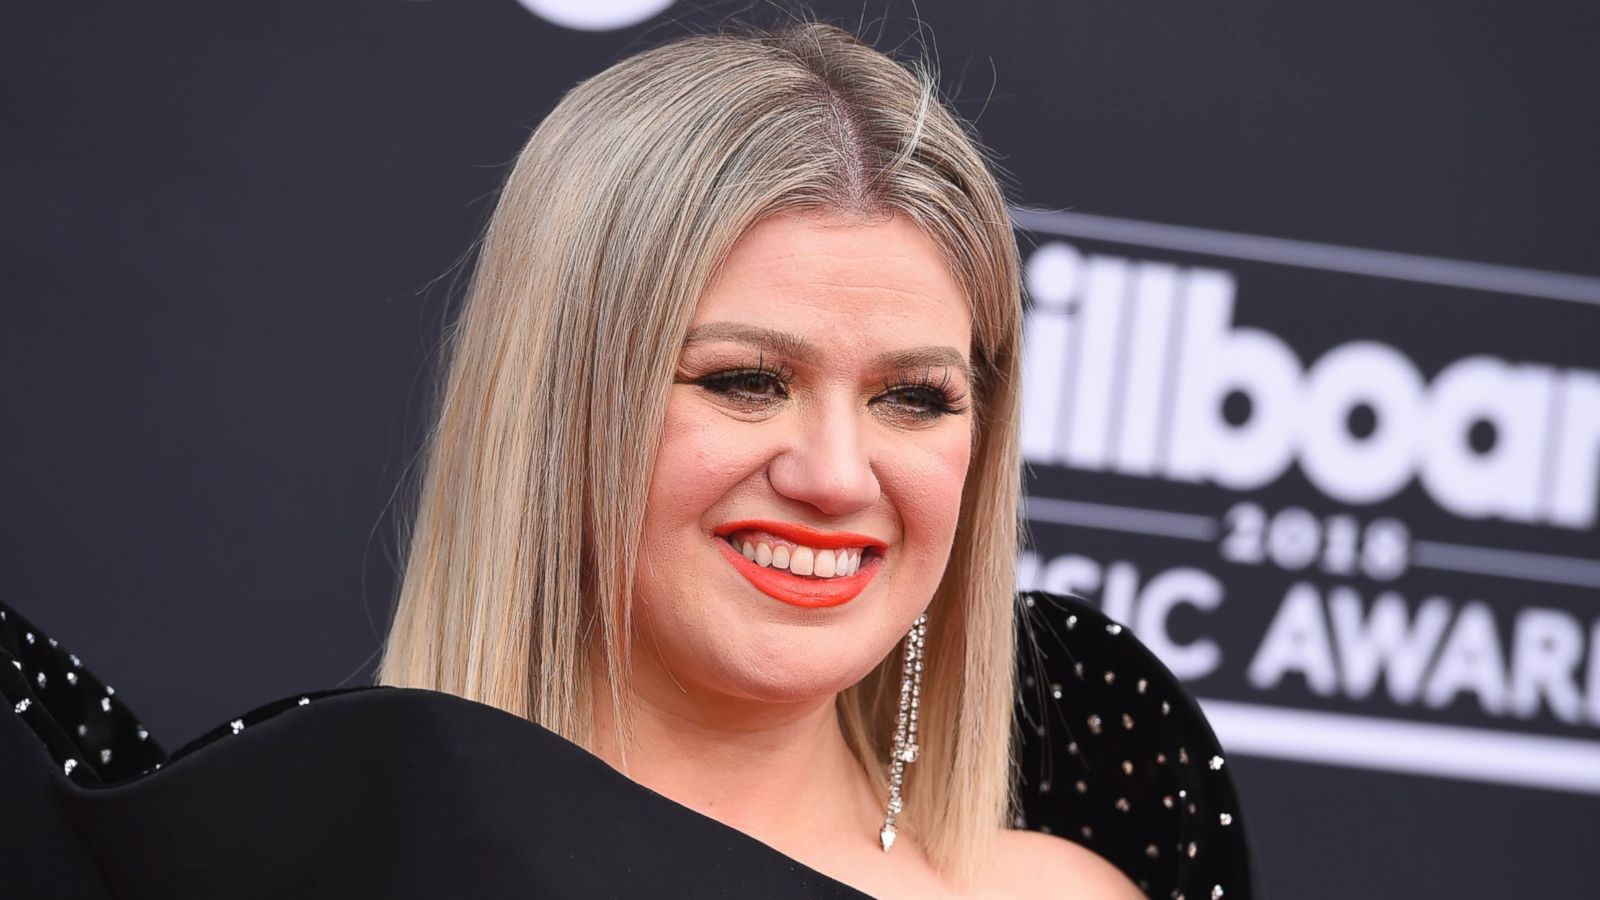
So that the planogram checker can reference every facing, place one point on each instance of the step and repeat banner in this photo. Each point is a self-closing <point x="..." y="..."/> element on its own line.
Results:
<point x="1268" y="458"/>
<point x="1312" y="371"/>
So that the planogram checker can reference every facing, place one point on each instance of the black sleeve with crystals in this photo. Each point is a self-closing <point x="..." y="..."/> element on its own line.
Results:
<point x="1117" y="756"/>
<point x="85" y="726"/>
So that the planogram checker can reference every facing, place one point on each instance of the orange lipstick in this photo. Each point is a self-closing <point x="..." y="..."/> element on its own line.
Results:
<point x="801" y="590"/>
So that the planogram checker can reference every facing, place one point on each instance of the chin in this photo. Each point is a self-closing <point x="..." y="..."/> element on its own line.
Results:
<point x="795" y="670"/>
<point x="774" y="663"/>
<point x="732" y="640"/>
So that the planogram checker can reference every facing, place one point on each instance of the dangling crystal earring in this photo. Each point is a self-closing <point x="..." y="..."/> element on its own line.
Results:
<point x="905" y="731"/>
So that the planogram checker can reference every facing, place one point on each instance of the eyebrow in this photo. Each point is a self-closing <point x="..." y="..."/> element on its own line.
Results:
<point x="795" y="347"/>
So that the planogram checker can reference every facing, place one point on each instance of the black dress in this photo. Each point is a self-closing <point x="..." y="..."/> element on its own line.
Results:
<point x="400" y="793"/>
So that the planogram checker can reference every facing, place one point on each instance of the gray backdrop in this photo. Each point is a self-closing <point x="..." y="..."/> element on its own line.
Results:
<point x="1313" y="402"/>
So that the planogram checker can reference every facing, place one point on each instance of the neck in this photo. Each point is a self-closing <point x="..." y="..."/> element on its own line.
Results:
<point x="779" y="772"/>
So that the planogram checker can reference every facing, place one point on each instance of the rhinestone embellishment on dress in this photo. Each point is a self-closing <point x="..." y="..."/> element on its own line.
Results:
<point x="1130" y="734"/>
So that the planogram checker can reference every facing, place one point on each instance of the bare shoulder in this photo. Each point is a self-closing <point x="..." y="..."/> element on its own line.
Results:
<point x="1029" y="864"/>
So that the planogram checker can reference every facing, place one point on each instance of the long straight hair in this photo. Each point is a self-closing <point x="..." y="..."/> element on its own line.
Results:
<point x="521" y="550"/>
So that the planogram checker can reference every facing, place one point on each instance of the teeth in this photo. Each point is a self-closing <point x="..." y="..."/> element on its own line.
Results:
<point x="807" y="561"/>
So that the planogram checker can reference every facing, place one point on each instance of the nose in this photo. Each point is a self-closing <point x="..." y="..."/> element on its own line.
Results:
<point x="827" y="464"/>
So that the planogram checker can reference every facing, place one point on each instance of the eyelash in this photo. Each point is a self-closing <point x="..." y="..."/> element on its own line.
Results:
<point x="938" y="398"/>
<point x="942" y="399"/>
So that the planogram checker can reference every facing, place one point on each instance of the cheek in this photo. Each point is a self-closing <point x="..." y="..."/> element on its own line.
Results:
<point x="927" y="488"/>
<point x="698" y="461"/>
<point x="688" y="476"/>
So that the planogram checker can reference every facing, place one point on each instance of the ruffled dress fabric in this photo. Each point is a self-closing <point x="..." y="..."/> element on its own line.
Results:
<point x="401" y="793"/>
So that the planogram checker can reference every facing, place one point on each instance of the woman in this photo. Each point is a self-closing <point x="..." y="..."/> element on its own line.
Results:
<point x="777" y="262"/>
<point x="723" y="492"/>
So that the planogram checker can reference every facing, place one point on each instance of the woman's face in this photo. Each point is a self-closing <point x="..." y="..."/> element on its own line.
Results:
<point x="820" y="422"/>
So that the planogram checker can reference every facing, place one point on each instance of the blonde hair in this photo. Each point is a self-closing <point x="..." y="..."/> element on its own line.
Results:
<point x="522" y="548"/>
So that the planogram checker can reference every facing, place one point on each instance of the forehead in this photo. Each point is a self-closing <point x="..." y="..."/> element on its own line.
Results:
<point x="884" y="277"/>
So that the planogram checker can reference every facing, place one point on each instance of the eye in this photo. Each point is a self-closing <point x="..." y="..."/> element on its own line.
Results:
<point x="747" y="384"/>
<point x="758" y="386"/>
<point x="923" y="398"/>
<point x="920" y="402"/>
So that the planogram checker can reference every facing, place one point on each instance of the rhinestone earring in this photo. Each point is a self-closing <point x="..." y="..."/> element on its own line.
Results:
<point x="905" y="731"/>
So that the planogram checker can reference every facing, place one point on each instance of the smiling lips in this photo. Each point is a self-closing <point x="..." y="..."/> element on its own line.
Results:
<point x="799" y="565"/>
